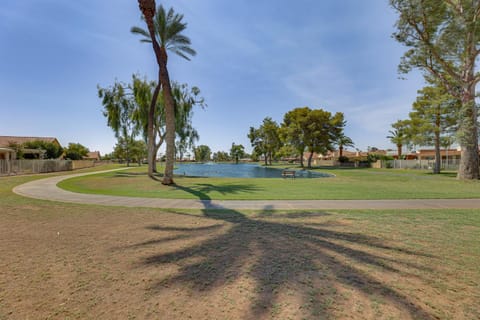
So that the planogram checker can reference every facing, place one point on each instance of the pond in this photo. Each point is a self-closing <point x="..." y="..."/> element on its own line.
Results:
<point x="240" y="170"/>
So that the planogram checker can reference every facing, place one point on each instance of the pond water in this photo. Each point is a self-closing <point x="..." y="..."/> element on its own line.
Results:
<point x="240" y="170"/>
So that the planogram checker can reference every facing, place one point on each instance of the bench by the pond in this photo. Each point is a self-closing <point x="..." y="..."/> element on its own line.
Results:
<point x="288" y="173"/>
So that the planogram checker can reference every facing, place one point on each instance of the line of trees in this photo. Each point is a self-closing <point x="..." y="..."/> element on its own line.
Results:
<point x="433" y="121"/>
<point x="302" y="130"/>
<point x="49" y="150"/>
<point x="443" y="41"/>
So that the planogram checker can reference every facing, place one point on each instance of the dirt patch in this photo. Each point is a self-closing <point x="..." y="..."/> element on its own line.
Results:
<point x="85" y="262"/>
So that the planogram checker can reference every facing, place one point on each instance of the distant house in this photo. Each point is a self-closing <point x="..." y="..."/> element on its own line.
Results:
<point x="429" y="154"/>
<point x="7" y="141"/>
<point x="7" y="154"/>
<point x="94" y="155"/>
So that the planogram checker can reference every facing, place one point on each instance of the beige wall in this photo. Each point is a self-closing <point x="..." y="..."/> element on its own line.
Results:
<point x="80" y="164"/>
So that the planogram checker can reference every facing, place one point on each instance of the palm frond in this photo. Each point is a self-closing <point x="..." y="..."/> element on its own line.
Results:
<point x="181" y="54"/>
<point x="140" y="31"/>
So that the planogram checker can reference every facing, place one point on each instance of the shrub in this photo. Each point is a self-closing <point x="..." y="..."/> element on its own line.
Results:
<point x="343" y="159"/>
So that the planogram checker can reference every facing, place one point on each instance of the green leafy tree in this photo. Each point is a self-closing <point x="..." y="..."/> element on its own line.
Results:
<point x="443" y="39"/>
<point x="221" y="156"/>
<point x="17" y="147"/>
<point x="76" y="151"/>
<point x="119" y="109"/>
<point x="52" y="150"/>
<point x="294" y="128"/>
<point x="434" y="113"/>
<point x="130" y="150"/>
<point x="265" y="140"/>
<point x="185" y="99"/>
<point x="165" y="33"/>
<point x="138" y="151"/>
<point x="237" y="151"/>
<point x="323" y="130"/>
<point x="202" y="153"/>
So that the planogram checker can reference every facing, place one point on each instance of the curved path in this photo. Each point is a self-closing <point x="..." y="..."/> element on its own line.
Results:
<point x="46" y="189"/>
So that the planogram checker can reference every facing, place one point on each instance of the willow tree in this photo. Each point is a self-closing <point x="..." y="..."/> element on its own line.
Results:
<point x="118" y="108"/>
<point x="443" y="38"/>
<point x="165" y="34"/>
<point x="185" y="99"/>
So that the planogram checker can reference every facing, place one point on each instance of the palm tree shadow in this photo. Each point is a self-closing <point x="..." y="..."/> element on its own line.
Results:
<point x="281" y="256"/>
<point x="202" y="190"/>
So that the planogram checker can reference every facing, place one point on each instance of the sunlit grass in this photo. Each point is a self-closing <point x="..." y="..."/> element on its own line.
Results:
<point x="347" y="184"/>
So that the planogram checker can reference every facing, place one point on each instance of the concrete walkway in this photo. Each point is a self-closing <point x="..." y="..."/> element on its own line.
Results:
<point x="46" y="189"/>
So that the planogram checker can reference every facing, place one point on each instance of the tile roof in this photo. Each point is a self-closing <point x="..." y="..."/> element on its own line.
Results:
<point x="6" y="140"/>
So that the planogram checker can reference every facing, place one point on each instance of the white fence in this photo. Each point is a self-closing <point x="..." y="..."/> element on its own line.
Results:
<point x="451" y="164"/>
<point x="8" y="167"/>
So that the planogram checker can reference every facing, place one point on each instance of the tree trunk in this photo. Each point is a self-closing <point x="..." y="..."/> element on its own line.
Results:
<point x="301" y="158"/>
<point x="341" y="151"/>
<point x="469" y="162"/>
<point x="399" y="151"/>
<point x="438" y="157"/>
<point x="266" y="158"/>
<point x="151" y="133"/>
<point x="155" y="153"/>
<point x="310" y="160"/>
<point x="148" y="14"/>
<point x="169" y="120"/>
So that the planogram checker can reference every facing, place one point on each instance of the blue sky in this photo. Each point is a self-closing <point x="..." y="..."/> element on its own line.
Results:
<point x="256" y="58"/>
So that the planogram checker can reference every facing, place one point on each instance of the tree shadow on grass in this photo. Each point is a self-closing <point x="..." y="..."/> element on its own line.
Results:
<point x="203" y="190"/>
<point x="281" y="257"/>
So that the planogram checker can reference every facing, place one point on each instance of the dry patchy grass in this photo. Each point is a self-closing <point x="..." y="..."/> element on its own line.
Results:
<point x="86" y="262"/>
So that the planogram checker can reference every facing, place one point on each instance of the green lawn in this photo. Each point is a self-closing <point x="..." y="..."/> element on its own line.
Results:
<point x="347" y="184"/>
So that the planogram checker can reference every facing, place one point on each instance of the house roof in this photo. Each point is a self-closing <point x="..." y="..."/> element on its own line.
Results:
<point x="93" y="155"/>
<point x="431" y="152"/>
<point x="3" y="150"/>
<point x="6" y="140"/>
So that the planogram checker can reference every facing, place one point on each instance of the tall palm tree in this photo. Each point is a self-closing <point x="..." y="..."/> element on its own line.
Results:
<point x="344" y="141"/>
<point x="165" y="33"/>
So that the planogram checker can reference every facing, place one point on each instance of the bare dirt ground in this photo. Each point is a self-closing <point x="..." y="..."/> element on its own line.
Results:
<point x="64" y="261"/>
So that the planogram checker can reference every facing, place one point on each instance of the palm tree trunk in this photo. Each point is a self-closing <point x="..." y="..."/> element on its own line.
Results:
<point x="399" y="151"/>
<point x="169" y="119"/>
<point x="341" y="151"/>
<point x="148" y="10"/>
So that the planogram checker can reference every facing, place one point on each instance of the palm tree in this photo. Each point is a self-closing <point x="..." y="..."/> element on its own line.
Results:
<point x="165" y="33"/>
<point x="344" y="141"/>
<point x="397" y="138"/>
